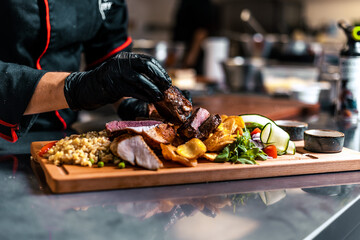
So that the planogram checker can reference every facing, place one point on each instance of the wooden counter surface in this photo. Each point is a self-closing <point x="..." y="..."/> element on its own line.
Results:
<point x="274" y="108"/>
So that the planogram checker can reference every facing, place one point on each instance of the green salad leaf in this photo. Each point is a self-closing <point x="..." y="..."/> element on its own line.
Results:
<point x="252" y="125"/>
<point x="242" y="150"/>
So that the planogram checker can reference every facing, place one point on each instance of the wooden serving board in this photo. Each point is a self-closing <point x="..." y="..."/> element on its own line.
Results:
<point x="74" y="178"/>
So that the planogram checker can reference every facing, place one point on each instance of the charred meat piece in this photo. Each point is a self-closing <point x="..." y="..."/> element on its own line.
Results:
<point x="190" y="129"/>
<point x="210" y="124"/>
<point x="175" y="107"/>
<point x="116" y="128"/>
<point x="153" y="134"/>
<point x="134" y="150"/>
<point x="162" y="133"/>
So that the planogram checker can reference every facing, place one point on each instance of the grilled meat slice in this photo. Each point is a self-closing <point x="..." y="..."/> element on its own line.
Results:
<point x="162" y="133"/>
<point x="175" y="107"/>
<point x="153" y="132"/>
<point x="190" y="128"/>
<point x="209" y="126"/>
<point x="116" y="128"/>
<point x="134" y="150"/>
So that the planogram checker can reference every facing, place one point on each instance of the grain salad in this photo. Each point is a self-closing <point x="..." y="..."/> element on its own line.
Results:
<point x="85" y="149"/>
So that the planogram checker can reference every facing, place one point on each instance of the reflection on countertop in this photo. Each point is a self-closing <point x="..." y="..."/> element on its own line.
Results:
<point x="271" y="208"/>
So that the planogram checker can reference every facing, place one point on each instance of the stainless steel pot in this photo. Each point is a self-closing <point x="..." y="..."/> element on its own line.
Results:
<point x="243" y="74"/>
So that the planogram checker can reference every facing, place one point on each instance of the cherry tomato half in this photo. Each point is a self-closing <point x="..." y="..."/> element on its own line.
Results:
<point x="255" y="131"/>
<point x="270" y="151"/>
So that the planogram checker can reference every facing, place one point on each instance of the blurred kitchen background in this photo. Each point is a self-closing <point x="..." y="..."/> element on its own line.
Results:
<point x="155" y="19"/>
<point x="228" y="51"/>
<point x="282" y="48"/>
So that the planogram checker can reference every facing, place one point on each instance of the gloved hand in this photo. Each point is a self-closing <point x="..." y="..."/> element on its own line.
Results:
<point x="187" y="95"/>
<point x="125" y="75"/>
<point x="130" y="108"/>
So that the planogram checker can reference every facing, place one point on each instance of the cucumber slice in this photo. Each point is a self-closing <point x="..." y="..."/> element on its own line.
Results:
<point x="265" y="133"/>
<point x="291" y="148"/>
<point x="279" y="138"/>
<point x="273" y="133"/>
<point x="256" y="118"/>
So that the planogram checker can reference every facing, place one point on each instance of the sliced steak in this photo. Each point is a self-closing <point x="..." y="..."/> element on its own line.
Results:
<point x="153" y="132"/>
<point x="190" y="128"/>
<point x="175" y="107"/>
<point x="134" y="150"/>
<point x="116" y="128"/>
<point x="209" y="126"/>
<point x="162" y="133"/>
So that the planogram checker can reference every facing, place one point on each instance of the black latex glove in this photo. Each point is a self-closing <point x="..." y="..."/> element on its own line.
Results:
<point x="130" y="108"/>
<point x="125" y="75"/>
<point x="187" y="95"/>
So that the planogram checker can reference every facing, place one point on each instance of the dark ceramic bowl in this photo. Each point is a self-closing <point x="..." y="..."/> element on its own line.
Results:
<point x="323" y="141"/>
<point x="294" y="128"/>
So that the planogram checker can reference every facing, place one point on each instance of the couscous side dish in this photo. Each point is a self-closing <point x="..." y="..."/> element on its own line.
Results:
<point x="85" y="149"/>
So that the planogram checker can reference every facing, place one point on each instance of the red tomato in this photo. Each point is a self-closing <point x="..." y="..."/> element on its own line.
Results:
<point x="46" y="148"/>
<point x="271" y="151"/>
<point x="255" y="131"/>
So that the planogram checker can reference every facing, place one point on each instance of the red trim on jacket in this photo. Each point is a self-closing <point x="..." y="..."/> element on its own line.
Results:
<point x="8" y="124"/>
<point x="61" y="120"/>
<point x="116" y="50"/>
<point x="13" y="127"/>
<point x="48" y="30"/>
<point x="13" y="138"/>
<point x="38" y="66"/>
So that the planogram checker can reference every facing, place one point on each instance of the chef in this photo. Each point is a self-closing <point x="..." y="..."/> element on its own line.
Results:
<point x="40" y="52"/>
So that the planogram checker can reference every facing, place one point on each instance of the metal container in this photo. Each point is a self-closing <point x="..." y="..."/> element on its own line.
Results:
<point x="323" y="141"/>
<point x="295" y="129"/>
<point x="243" y="75"/>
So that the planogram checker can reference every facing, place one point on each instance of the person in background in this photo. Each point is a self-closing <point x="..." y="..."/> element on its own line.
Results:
<point x="194" y="22"/>
<point x="40" y="54"/>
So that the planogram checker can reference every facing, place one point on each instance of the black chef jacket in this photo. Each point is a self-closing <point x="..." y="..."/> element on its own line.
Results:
<point x="48" y="35"/>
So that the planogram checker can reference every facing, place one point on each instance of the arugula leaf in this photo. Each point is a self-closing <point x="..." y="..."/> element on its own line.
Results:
<point x="224" y="155"/>
<point x="242" y="150"/>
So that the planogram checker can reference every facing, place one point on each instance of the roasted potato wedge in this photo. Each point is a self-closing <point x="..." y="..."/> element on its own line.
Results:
<point x="185" y="161"/>
<point x="210" y="156"/>
<point x="192" y="149"/>
<point x="239" y="121"/>
<point x="223" y="117"/>
<point x="168" y="152"/>
<point x="233" y="124"/>
<point x="218" y="141"/>
<point x="229" y="125"/>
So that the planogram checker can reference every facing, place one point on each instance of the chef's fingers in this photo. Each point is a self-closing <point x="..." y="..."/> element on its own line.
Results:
<point x="153" y="70"/>
<point x="146" y="90"/>
<point x="131" y="108"/>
